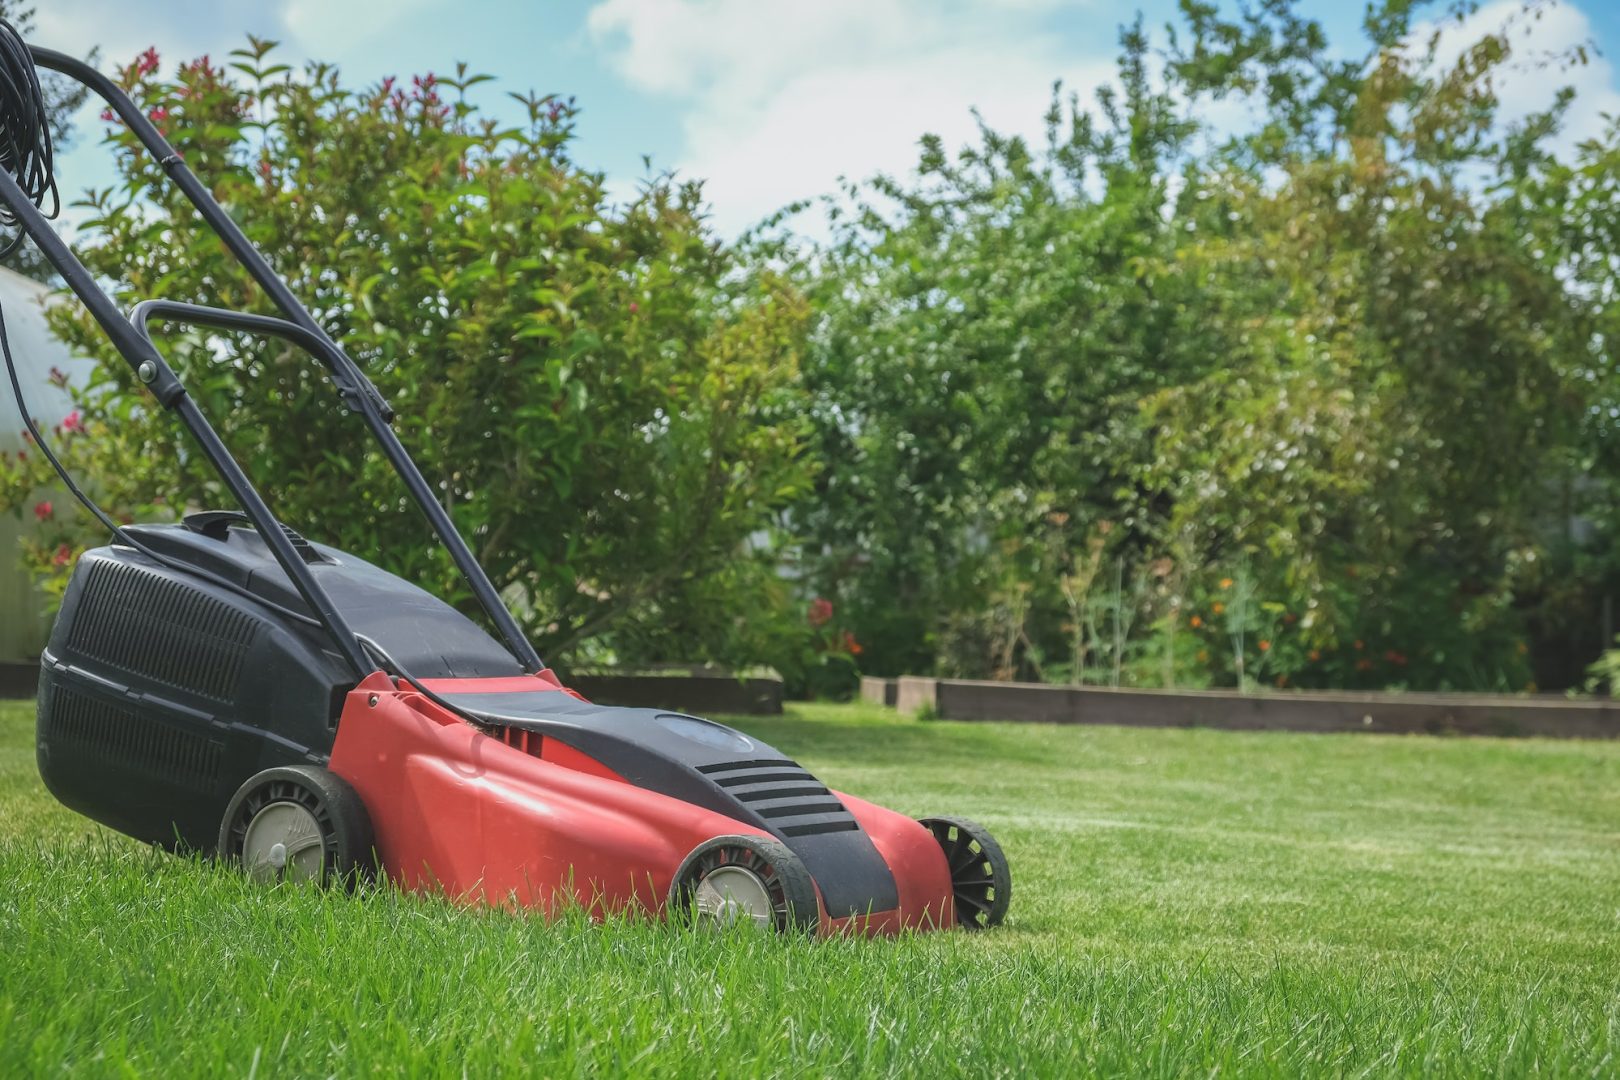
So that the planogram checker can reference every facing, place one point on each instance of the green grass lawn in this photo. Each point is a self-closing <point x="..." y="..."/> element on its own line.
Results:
<point x="1185" y="903"/>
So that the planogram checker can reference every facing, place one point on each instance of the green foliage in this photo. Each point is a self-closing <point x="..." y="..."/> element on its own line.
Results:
<point x="605" y="401"/>
<point x="1062" y="393"/>
<point x="1323" y="399"/>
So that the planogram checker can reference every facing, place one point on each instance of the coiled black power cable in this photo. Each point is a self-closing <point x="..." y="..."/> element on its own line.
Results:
<point x="25" y="132"/>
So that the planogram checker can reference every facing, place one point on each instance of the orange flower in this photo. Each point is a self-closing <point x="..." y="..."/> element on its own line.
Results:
<point x="1226" y="583"/>
<point x="1265" y="646"/>
<point x="1363" y="664"/>
<point x="1358" y="643"/>
<point x="1314" y="654"/>
<point x="1282" y="680"/>
<point x="1203" y="656"/>
<point x="1195" y="622"/>
<point x="1218" y="608"/>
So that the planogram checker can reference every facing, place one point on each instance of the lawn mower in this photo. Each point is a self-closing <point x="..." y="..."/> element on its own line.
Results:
<point x="224" y="685"/>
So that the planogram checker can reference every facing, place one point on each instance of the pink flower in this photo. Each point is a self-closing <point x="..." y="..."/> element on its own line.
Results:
<point x="147" y="62"/>
<point x="64" y="555"/>
<point x="821" y="611"/>
<point x="634" y="307"/>
<point x="44" y="510"/>
<point x="73" y="421"/>
<point x="158" y="115"/>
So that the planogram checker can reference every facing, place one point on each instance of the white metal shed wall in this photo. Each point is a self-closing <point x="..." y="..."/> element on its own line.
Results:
<point x="23" y="622"/>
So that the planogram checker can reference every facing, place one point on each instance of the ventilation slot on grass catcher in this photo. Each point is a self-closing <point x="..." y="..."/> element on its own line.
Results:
<point x="147" y="625"/>
<point x="791" y="801"/>
<point x="102" y="730"/>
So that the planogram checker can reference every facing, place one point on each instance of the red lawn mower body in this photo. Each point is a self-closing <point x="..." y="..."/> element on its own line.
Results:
<point x="517" y="818"/>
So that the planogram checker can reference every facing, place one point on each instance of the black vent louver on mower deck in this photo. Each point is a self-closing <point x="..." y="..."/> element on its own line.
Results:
<point x="102" y="730"/>
<point x="791" y="801"/>
<point x="160" y="629"/>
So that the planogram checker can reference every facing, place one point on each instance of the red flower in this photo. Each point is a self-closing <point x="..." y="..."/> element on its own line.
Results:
<point x="821" y="611"/>
<point x="851" y="646"/>
<point x="43" y="511"/>
<point x="264" y="168"/>
<point x="147" y="62"/>
<point x="158" y="115"/>
<point x="634" y="307"/>
<point x="108" y="116"/>
<point x="73" y="421"/>
<point x="1265" y="646"/>
<point x="64" y="555"/>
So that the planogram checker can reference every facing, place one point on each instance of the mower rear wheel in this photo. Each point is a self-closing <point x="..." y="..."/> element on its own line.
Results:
<point x="980" y="878"/>
<point x="746" y="879"/>
<point x="298" y="823"/>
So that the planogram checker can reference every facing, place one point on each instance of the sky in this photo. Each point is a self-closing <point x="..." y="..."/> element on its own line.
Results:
<point x="767" y="101"/>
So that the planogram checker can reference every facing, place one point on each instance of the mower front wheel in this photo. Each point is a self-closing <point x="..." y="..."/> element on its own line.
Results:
<point x="746" y="879"/>
<point x="980" y="879"/>
<point x="298" y="823"/>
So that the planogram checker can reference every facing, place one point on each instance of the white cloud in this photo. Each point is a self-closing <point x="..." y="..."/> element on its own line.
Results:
<point x="781" y="99"/>
<point x="1541" y="41"/>
<point x="334" y="27"/>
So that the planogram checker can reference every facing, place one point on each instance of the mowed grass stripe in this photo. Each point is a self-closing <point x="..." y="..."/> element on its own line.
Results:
<point x="1186" y="903"/>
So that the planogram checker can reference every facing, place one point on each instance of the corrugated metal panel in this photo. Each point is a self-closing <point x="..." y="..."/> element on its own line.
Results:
<point x="23" y="622"/>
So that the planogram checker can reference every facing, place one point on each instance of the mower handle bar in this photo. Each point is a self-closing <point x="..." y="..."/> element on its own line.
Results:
<point x="136" y="347"/>
<point x="351" y="383"/>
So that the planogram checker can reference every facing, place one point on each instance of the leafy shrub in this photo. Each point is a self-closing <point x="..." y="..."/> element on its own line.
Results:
<point x="606" y="402"/>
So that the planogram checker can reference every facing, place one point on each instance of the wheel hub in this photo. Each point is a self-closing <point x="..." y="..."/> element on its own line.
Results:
<point x="284" y="841"/>
<point x="730" y="894"/>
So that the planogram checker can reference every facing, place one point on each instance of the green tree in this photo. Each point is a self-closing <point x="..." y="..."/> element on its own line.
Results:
<point x="1163" y="403"/>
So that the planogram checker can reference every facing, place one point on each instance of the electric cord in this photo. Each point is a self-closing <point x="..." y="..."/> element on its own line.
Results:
<point x="380" y="654"/>
<point x="25" y="132"/>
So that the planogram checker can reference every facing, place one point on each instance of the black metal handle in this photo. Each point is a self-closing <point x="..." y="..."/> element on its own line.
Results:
<point x="346" y="375"/>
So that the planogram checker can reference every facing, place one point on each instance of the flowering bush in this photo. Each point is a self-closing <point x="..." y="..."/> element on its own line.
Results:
<point x="602" y="397"/>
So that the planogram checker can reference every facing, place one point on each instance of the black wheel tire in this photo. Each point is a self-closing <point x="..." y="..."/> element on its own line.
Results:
<point x="980" y="878"/>
<point x="347" y="845"/>
<point x="788" y="883"/>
